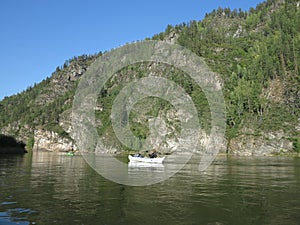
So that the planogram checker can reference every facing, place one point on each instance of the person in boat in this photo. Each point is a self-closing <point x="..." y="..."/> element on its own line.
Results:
<point x="138" y="155"/>
<point x="153" y="154"/>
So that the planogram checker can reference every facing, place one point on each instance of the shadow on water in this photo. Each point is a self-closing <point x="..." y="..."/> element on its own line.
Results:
<point x="9" y="145"/>
<point x="47" y="188"/>
<point x="12" y="168"/>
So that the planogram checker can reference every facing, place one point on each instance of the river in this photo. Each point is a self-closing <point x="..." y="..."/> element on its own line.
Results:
<point x="49" y="188"/>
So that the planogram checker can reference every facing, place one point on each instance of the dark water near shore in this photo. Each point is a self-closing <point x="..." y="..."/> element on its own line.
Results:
<point x="48" y="188"/>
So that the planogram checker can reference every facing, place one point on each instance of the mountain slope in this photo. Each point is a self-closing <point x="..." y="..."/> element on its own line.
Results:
<point x="42" y="104"/>
<point x="256" y="53"/>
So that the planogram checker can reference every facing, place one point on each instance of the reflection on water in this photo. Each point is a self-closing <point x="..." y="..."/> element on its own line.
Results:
<point x="155" y="166"/>
<point x="48" y="188"/>
<point x="111" y="168"/>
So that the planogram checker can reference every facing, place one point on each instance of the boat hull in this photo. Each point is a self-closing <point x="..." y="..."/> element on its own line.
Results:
<point x="146" y="160"/>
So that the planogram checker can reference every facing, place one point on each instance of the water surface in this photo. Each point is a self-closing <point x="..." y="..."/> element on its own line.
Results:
<point x="49" y="188"/>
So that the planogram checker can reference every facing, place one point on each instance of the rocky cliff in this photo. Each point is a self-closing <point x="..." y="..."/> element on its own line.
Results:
<point x="35" y="114"/>
<point x="260" y="145"/>
<point x="52" y="141"/>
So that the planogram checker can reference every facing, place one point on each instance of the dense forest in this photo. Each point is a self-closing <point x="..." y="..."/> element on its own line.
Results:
<point x="256" y="52"/>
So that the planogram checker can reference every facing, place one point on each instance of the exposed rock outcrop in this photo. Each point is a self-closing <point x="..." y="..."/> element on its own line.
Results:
<point x="61" y="82"/>
<point x="51" y="141"/>
<point x="265" y="144"/>
<point x="298" y="125"/>
<point x="75" y="71"/>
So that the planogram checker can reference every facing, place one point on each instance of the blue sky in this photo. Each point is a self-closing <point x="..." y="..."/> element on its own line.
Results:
<point x="39" y="35"/>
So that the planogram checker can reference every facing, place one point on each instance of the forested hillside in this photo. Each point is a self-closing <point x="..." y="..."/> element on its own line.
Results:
<point x="257" y="54"/>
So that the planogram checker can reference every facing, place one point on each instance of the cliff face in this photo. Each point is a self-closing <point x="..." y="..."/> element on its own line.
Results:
<point x="51" y="141"/>
<point x="38" y="113"/>
<point x="263" y="145"/>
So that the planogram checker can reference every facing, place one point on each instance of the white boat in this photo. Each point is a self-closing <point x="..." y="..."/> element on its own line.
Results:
<point x="145" y="159"/>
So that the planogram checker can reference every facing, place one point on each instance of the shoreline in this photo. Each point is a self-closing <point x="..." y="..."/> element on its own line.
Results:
<point x="20" y="150"/>
<point x="267" y="155"/>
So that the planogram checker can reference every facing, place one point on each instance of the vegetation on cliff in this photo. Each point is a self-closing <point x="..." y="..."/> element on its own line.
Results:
<point x="42" y="104"/>
<point x="257" y="54"/>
